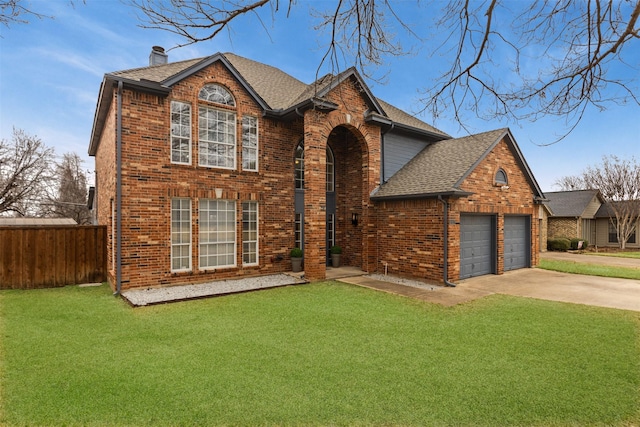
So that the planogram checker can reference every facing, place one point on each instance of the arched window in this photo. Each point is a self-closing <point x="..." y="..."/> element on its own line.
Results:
<point x="330" y="171"/>
<point x="216" y="93"/>
<point x="501" y="177"/>
<point x="216" y="128"/>
<point x="299" y="166"/>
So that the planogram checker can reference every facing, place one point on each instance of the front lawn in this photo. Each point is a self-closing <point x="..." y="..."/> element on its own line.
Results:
<point x="320" y="354"/>
<point x="620" y="254"/>
<point x="590" y="269"/>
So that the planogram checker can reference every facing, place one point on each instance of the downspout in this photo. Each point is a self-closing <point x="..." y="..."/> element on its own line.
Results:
<point x="119" y="192"/>
<point x="445" y="254"/>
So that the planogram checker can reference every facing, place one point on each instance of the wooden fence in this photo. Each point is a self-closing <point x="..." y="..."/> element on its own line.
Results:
<point x="52" y="256"/>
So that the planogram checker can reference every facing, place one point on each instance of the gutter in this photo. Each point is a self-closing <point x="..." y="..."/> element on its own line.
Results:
<point x="119" y="191"/>
<point x="445" y="255"/>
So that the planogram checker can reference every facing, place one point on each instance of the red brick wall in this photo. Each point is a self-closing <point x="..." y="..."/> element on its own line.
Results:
<point x="410" y="233"/>
<point x="150" y="181"/>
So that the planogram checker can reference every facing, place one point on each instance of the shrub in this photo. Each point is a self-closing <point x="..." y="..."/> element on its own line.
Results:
<point x="335" y="249"/>
<point x="560" y="244"/>
<point x="296" y="253"/>
<point x="575" y="242"/>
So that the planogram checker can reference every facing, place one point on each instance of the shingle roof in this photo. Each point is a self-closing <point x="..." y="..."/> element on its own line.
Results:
<point x="278" y="89"/>
<point x="569" y="203"/>
<point x="440" y="167"/>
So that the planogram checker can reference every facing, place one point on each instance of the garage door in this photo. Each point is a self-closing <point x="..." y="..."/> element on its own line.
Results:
<point x="517" y="247"/>
<point x="477" y="248"/>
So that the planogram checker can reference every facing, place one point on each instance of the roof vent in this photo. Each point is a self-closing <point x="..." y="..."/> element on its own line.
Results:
<point x="157" y="56"/>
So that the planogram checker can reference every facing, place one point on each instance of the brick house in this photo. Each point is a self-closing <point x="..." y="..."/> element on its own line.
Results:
<point x="573" y="213"/>
<point x="216" y="167"/>
<point x="584" y="214"/>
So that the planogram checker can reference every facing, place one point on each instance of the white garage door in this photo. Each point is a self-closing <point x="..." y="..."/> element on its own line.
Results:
<point x="477" y="247"/>
<point x="517" y="247"/>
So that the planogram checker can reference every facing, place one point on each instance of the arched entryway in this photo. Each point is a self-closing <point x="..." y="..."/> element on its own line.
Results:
<point x="344" y="192"/>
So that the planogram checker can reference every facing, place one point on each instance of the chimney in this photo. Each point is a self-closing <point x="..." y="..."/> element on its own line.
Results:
<point x="157" y="56"/>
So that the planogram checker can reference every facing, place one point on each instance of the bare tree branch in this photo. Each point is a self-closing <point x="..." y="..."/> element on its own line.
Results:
<point x="514" y="60"/>
<point x="24" y="173"/>
<point x="618" y="180"/>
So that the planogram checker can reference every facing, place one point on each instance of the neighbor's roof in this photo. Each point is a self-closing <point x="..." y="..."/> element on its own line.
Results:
<point x="606" y="210"/>
<point x="273" y="89"/>
<point x="570" y="203"/>
<point x="23" y="222"/>
<point x="441" y="167"/>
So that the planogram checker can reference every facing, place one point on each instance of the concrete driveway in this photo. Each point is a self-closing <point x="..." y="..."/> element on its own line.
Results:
<point x="574" y="288"/>
<point x="550" y="285"/>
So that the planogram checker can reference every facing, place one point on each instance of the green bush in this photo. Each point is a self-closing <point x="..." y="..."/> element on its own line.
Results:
<point x="296" y="253"/>
<point x="335" y="249"/>
<point x="576" y="241"/>
<point x="560" y="244"/>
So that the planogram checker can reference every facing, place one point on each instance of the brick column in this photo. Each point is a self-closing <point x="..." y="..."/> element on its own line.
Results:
<point x="315" y="206"/>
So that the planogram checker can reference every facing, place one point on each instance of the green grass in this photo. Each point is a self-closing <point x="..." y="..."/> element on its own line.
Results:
<point x="590" y="269"/>
<point x="319" y="354"/>
<point x="623" y="254"/>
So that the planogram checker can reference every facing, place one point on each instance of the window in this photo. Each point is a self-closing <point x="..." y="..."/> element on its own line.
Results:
<point x="217" y="135"/>
<point x="501" y="177"/>
<point x="613" y="233"/>
<point x="299" y="167"/>
<point x="250" y="233"/>
<point x="217" y="220"/>
<point x="216" y="93"/>
<point x="249" y="143"/>
<point x="180" y="234"/>
<point x="330" y="170"/>
<point x="180" y="132"/>
<point x="298" y="230"/>
<point x="331" y="230"/>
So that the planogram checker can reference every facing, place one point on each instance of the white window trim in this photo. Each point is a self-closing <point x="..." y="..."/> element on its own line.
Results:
<point x="181" y="244"/>
<point x="257" y="241"/>
<point x="235" y="237"/>
<point x="257" y="148"/>
<point x="233" y="123"/>
<point x="172" y="136"/>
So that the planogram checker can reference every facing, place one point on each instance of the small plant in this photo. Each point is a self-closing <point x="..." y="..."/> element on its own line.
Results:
<point x="335" y="249"/>
<point x="561" y="244"/>
<point x="296" y="253"/>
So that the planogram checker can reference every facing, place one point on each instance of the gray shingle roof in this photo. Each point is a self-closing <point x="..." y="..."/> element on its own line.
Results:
<point x="569" y="203"/>
<point x="440" y="167"/>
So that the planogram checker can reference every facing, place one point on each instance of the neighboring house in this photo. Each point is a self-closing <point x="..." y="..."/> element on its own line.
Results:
<point x="216" y="167"/>
<point x="584" y="214"/>
<point x="573" y="214"/>
<point x="606" y="234"/>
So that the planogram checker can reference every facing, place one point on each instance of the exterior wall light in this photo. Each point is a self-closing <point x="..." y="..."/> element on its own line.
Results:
<point x="354" y="218"/>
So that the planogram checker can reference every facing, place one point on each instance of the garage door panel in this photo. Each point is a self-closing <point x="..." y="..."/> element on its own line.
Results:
<point x="476" y="245"/>
<point x="516" y="242"/>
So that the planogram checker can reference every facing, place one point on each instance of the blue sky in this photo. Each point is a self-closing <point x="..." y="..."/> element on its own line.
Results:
<point x="51" y="70"/>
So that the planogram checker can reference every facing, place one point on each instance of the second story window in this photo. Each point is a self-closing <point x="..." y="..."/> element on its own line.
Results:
<point x="180" y="132"/>
<point x="216" y="94"/>
<point x="249" y="143"/>
<point x="216" y="128"/>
